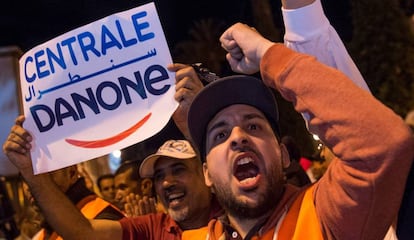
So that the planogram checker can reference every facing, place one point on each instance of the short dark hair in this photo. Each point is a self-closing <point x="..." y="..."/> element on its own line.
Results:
<point x="103" y="177"/>
<point x="125" y="166"/>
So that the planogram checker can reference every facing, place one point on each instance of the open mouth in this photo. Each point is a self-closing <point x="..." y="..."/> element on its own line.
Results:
<point x="174" y="199"/>
<point x="246" y="171"/>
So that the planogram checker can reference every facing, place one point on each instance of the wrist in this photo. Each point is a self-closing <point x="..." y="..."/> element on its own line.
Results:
<point x="36" y="181"/>
<point x="264" y="47"/>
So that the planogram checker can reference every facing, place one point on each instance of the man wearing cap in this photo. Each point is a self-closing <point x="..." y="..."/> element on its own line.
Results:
<point x="73" y="226"/>
<point x="237" y="134"/>
<point x="179" y="183"/>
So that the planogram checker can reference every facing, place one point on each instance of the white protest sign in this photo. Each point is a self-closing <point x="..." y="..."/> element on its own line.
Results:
<point x="100" y="87"/>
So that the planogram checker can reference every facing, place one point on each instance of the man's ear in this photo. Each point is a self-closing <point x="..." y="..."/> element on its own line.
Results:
<point x="146" y="186"/>
<point x="284" y="153"/>
<point x="73" y="174"/>
<point x="207" y="180"/>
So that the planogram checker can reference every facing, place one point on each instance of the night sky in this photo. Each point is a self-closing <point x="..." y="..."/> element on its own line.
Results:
<point x="29" y="23"/>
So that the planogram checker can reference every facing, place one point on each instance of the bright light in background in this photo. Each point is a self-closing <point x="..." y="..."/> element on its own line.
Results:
<point x="116" y="153"/>
<point x="114" y="160"/>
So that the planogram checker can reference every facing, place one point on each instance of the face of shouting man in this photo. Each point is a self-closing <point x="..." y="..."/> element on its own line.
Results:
<point x="244" y="161"/>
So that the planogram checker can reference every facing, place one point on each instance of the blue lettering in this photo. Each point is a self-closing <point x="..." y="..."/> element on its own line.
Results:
<point x="113" y="42"/>
<point x="33" y="77"/>
<point x="125" y="42"/>
<point x="51" y="57"/>
<point x="48" y="60"/>
<point x="100" y="99"/>
<point x="85" y="47"/>
<point x="75" y="108"/>
<point x="59" y="103"/>
<point x="42" y="127"/>
<point x="141" y="26"/>
<point x="138" y="87"/>
<point x="90" y="102"/>
<point x="160" y="77"/>
<point x="40" y="63"/>
<point x="68" y="42"/>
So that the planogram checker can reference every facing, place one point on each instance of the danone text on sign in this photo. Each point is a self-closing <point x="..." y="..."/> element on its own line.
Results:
<point x="101" y="87"/>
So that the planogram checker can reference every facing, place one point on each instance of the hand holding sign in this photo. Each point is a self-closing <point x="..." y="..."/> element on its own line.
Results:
<point x="187" y="86"/>
<point x="17" y="147"/>
<point x="101" y="87"/>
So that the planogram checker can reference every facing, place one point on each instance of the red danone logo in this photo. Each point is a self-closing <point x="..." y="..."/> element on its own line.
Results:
<point x="111" y="140"/>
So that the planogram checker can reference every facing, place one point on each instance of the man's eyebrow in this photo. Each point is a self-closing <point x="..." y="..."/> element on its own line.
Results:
<point x="248" y="116"/>
<point x="217" y="125"/>
<point x="169" y="166"/>
<point x="253" y="115"/>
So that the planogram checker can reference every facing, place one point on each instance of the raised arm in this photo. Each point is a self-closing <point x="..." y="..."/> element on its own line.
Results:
<point x="58" y="210"/>
<point x="309" y="31"/>
<point x="359" y="195"/>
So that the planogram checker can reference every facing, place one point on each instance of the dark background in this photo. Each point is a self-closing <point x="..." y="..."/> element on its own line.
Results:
<point x="27" y="24"/>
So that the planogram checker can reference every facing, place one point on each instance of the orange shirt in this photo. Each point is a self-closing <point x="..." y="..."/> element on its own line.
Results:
<point x="90" y="207"/>
<point x="299" y="222"/>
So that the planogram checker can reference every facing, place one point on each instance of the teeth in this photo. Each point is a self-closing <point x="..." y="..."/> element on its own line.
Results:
<point x="244" y="161"/>
<point x="175" y="195"/>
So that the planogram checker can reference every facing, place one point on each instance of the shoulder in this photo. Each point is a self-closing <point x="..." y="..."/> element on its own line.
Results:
<point x="195" y="234"/>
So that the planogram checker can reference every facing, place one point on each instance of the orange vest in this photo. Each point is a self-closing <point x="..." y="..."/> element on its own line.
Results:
<point x="300" y="222"/>
<point x="88" y="206"/>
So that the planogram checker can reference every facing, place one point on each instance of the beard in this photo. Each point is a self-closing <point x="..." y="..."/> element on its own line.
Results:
<point x="179" y="215"/>
<point x="265" y="201"/>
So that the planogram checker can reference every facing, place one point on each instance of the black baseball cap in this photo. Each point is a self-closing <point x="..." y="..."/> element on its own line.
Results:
<point x="217" y="95"/>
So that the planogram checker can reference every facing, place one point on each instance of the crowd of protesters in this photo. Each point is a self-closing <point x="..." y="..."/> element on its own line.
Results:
<point x="235" y="176"/>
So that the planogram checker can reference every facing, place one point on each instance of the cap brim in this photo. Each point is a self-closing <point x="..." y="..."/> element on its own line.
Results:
<point x="146" y="170"/>
<point x="224" y="92"/>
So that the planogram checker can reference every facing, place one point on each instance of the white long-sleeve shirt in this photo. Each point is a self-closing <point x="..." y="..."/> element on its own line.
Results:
<point x="309" y="31"/>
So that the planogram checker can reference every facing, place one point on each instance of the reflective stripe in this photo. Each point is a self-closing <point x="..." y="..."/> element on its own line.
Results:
<point x="90" y="210"/>
<point x="298" y="223"/>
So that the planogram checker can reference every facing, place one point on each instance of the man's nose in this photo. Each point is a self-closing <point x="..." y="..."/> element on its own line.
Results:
<point x="168" y="181"/>
<point x="238" y="137"/>
<point x="118" y="195"/>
